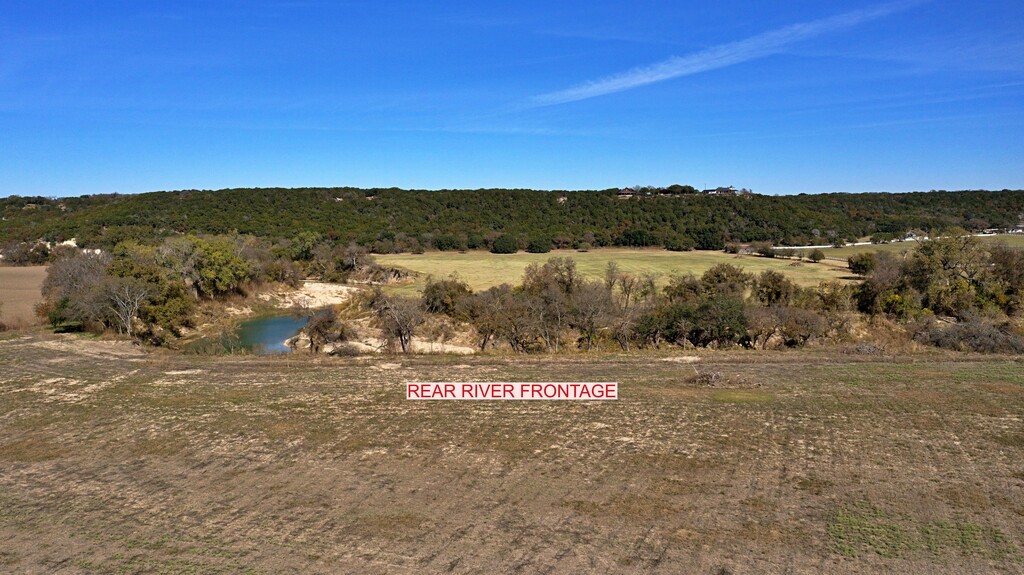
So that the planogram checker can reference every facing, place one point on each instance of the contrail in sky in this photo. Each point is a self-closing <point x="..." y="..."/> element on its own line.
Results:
<point x="722" y="55"/>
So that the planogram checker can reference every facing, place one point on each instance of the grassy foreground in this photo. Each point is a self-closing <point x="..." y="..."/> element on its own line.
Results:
<point x="117" y="460"/>
<point x="482" y="270"/>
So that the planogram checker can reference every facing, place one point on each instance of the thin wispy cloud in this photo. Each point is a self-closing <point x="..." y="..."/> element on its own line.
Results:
<point x="721" y="56"/>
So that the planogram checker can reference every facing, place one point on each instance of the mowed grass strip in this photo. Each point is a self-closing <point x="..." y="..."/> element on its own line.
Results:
<point x="482" y="270"/>
<point x="1012" y="240"/>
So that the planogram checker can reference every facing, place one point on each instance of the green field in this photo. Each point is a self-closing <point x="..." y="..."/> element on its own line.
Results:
<point x="482" y="270"/>
<point x="1012" y="240"/>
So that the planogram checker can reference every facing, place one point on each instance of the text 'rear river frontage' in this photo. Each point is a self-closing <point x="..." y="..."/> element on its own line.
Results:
<point x="521" y="390"/>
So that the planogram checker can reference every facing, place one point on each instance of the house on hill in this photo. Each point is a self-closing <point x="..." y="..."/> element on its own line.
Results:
<point x="721" y="191"/>
<point x="626" y="193"/>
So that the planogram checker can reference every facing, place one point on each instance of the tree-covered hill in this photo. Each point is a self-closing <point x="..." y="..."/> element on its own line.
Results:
<point x="393" y="219"/>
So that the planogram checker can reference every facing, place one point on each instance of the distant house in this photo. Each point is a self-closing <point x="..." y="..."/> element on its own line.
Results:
<point x="721" y="191"/>
<point x="626" y="193"/>
<point x="1018" y="229"/>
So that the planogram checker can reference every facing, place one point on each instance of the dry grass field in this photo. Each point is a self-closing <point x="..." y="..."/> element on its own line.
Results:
<point x="482" y="269"/>
<point x="19" y="293"/>
<point x="118" y="460"/>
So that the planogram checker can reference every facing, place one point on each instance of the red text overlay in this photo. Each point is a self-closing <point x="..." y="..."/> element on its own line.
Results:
<point x="512" y="390"/>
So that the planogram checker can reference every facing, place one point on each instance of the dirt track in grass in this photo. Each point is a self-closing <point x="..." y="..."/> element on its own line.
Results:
<point x="112" y="459"/>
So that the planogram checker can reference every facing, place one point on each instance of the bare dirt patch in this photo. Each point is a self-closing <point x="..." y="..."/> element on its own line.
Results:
<point x="311" y="294"/>
<point x="20" y="291"/>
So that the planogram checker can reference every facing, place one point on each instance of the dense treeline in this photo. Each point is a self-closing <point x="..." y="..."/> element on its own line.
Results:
<point x="951" y="291"/>
<point x="392" y="220"/>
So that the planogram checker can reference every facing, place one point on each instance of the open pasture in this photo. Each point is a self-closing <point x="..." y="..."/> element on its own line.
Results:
<point x="482" y="270"/>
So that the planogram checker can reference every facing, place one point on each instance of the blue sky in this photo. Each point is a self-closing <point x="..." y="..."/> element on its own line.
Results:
<point x="780" y="97"/>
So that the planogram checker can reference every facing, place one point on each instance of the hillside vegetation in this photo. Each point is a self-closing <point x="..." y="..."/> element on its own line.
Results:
<point x="393" y="220"/>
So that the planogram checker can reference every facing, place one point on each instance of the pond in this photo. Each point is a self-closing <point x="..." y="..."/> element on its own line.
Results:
<point x="267" y="334"/>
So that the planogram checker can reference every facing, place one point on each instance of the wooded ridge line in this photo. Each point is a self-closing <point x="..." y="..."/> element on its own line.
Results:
<point x="390" y="220"/>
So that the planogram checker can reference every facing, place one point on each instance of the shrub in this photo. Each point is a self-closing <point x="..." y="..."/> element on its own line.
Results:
<point x="26" y="254"/>
<point x="726" y="279"/>
<point x="539" y="246"/>
<point x="505" y="244"/>
<point x="717" y="320"/>
<point x="706" y="378"/>
<point x="861" y="264"/>
<point x="800" y="325"/>
<point x="636" y="238"/>
<point x="865" y="348"/>
<point x="446" y="243"/>
<point x="764" y="249"/>
<point x="445" y="295"/>
<point x="971" y="335"/>
<point x="475" y="241"/>
<point x="772" y="287"/>
<point x="345" y="350"/>
<point x="284" y="271"/>
<point x="709" y="238"/>
<point x="900" y="307"/>
<point x="714" y="320"/>
<point x="680" y="244"/>
<point x="816" y="255"/>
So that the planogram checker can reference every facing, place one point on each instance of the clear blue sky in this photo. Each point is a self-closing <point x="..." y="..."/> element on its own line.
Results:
<point x="780" y="97"/>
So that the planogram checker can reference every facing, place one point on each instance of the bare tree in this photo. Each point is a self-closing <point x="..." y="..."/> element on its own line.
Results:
<point x="550" y="310"/>
<point x="485" y="311"/>
<point x="125" y="297"/>
<point x="518" y="326"/>
<point x="355" y="257"/>
<point x="73" y="275"/>
<point x="399" y="317"/>
<point x="322" y="328"/>
<point x="624" y="322"/>
<point x="589" y="312"/>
